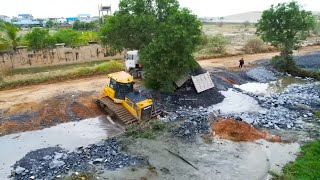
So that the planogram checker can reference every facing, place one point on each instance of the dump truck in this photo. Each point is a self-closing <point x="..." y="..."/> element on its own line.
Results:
<point x="123" y="103"/>
<point x="132" y="64"/>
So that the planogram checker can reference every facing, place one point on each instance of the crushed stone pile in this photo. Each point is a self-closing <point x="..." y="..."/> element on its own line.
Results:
<point x="192" y="127"/>
<point x="285" y="110"/>
<point x="308" y="61"/>
<point x="51" y="163"/>
<point x="261" y="74"/>
<point x="187" y="96"/>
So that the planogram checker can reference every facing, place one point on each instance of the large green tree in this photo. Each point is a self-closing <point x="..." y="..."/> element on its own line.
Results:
<point x="285" y="26"/>
<point x="165" y="34"/>
<point x="40" y="39"/>
<point x="10" y="38"/>
<point x="70" y="37"/>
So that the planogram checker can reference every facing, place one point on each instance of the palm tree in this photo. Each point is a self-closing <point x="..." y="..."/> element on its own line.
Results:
<point x="10" y="39"/>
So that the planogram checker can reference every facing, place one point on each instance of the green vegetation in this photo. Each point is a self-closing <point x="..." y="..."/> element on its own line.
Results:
<point x="285" y="26"/>
<point x="70" y="37"/>
<point x="306" y="166"/>
<point x="83" y="26"/>
<point x="80" y="176"/>
<point x="10" y="40"/>
<point x="39" y="39"/>
<point x="49" y="24"/>
<point x="149" y="130"/>
<point x="254" y="45"/>
<point x="317" y="113"/>
<point x="165" y="34"/>
<point x="103" y="68"/>
<point x="217" y="44"/>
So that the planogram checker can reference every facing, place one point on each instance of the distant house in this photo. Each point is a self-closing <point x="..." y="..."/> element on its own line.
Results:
<point x="5" y="18"/>
<point x="71" y="20"/>
<point x="60" y="20"/>
<point x="85" y="18"/>
<point x="27" y="20"/>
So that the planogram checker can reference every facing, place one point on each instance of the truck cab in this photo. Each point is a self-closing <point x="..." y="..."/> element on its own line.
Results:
<point x="132" y="64"/>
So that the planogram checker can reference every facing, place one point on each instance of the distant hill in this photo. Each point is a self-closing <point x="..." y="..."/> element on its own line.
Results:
<point x="252" y="17"/>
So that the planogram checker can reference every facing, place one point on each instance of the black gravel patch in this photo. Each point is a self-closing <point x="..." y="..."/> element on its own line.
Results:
<point x="23" y="117"/>
<point x="191" y="128"/>
<point x="51" y="162"/>
<point x="187" y="96"/>
<point x="311" y="61"/>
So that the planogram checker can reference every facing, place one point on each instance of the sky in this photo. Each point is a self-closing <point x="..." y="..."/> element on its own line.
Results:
<point x="202" y="8"/>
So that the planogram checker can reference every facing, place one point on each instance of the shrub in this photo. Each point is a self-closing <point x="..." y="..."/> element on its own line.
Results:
<point x="5" y="71"/>
<point x="217" y="44"/>
<point x="254" y="45"/>
<point x="148" y="130"/>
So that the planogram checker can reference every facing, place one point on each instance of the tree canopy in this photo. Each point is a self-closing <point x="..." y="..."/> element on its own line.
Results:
<point x="10" y="40"/>
<point x="284" y="26"/>
<point x="165" y="34"/>
<point x="70" y="37"/>
<point x="40" y="39"/>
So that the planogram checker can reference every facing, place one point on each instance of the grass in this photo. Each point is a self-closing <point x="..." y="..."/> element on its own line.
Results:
<point x="82" y="71"/>
<point x="80" y="176"/>
<point x="317" y="113"/>
<point x="149" y="130"/>
<point x="306" y="166"/>
<point x="57" y="67"/>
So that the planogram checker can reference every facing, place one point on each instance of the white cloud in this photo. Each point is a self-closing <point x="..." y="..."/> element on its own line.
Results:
<point x="57" y="8"/>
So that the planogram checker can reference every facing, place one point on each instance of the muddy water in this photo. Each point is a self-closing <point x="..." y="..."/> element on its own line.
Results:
<point x="221" y="159"/>
<point x="69" y="136"/>
<point x="271" y="87"/>
<point x="236" y="102"/>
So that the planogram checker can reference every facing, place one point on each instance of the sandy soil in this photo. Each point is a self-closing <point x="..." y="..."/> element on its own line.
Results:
<point x="232" y="63"/>
<point x="39" y="93"/>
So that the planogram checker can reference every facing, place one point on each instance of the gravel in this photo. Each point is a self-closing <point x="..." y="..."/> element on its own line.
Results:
<point x="48" y="163"/>
<point x="192" y="127"/>
<point x="285" y="110"/>
<point x="261" y="74"/>
<point x="308" y="61"/>
<point x="187" y="96"/>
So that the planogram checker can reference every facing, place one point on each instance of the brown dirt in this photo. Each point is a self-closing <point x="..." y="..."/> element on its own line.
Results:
<point x="232" y="63"/>
<point x="53" y="111"/>
<point x="228" y="80"/>
<point x="240" y="131"/>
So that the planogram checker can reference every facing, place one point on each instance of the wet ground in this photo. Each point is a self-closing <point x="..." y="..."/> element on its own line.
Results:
<point x="68" y="136"/>
<point x="213" y="159"/>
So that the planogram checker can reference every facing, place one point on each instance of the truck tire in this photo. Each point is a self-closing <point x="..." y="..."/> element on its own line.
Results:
<point x="133" y="73"/>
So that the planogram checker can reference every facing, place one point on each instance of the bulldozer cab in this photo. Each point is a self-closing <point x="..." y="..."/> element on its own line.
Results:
<point x="120" y="84"/>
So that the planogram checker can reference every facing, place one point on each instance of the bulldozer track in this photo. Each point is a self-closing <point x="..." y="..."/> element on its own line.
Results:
<point x="116" y="111"/>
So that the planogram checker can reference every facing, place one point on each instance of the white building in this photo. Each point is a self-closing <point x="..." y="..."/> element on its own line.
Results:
<point x="5" y="18"/>
<point x="85" y="18"/>
<point x="25" y="18"/>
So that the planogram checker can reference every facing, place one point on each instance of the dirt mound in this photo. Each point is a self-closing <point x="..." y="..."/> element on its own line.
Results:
<point x="59" y="109"/>
<point x="188" y="96"/>
<point x="240" y="131"/>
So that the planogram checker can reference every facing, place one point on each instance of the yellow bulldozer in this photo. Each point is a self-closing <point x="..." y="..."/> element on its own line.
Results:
<point x="122" y="102"/>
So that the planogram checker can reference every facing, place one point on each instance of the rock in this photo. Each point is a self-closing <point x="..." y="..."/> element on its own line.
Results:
<point x="289" y="126"/>
<point x="97" y="161"/>
<point x="46" y="158"/>
<point x="187" y="132"/>
<point x="19" y="170"/>
<point x="32" y="177"/>
<point x="56" y="164"/>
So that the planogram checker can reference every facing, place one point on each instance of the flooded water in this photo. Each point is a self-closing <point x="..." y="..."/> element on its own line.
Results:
<point x="271" y="87"/>
<point x="236" y="102"/>
<point x="69" y="136"/>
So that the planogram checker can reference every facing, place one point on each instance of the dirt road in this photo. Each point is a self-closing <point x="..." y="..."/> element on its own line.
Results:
<point x="232" y="63"/>
<point x="38" y="93"/>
